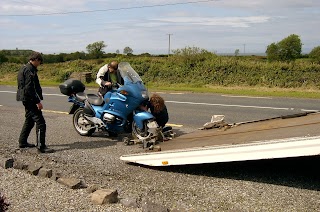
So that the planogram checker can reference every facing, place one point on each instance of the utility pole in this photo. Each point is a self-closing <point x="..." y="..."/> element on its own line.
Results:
<point x="169" y="44"/>
<point x="244" y="49"/>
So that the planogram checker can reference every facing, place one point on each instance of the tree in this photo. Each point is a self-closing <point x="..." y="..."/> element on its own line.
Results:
<point x="117" y="52"/>
<point x="315" y="54"/>
<point x="272" y="52"/>
<point x="96" y="49"/>
<point x="127" y="50"/>
<point x="287" y="49"/>
<point x="290" y="48"/>
<point x="236" y="52"/>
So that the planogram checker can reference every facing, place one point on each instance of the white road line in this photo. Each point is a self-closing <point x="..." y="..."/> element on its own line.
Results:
<point x="309" y="110"/>
<point x="45" y="94"/>
<point x="49" y="94"/>
<point x="8" y="92"/>
<point x="224" y="105"/>
<point x="170" y="93"/>
<point x="250" y="97"/>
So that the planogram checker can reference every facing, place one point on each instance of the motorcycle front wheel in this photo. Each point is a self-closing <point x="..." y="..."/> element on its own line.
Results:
<point x="81" y="124"/>
<point x="141" y="134"/>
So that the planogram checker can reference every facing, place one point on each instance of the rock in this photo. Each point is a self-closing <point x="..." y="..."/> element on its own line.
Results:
<point x="148" y="206"/>
<point x="34" y="168"/>
<point x="43" y="172"/>
<point x="129" y="202"/>
<point x="71" y="182"/>
<point x="102" y="196"/>
<point x="93" y="188"/>
<point x="20" y="165"/>
<point x="56" y="175"/>
<point x="6" y="162"/>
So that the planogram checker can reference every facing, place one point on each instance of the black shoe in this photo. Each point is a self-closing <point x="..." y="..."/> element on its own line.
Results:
<point x="45" y="150"/>
<point x="27" y="145"/>
<point x="166" y="128"/>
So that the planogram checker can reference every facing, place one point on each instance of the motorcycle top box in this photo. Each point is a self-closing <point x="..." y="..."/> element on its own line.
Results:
<point x="71" y="86"/>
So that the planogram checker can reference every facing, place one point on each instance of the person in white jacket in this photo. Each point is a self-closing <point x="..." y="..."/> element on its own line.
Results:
<point x="107" y="77"/>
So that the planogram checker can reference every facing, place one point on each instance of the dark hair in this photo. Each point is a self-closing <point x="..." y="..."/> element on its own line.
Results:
<point x="36" y="56"/>
<point x="114" y="65"/>
<point x="157" y="102"/>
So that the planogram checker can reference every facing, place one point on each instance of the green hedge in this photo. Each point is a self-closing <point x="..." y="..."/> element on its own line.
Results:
<point x="200" y="69"/>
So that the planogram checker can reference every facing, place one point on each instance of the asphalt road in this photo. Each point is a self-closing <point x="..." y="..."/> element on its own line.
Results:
<point x="191" y="110"/>
<point x="269" y="185"/>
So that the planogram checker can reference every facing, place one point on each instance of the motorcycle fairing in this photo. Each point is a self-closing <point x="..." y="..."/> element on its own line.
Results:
<point x="140" y="116"/>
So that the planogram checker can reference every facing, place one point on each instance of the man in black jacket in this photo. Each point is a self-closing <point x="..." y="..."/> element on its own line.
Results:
<point x="30" y="93"/>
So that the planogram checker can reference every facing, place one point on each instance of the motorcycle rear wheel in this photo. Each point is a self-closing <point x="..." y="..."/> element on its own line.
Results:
<point x="81" y="124"/>
<point x="141" y="134"/>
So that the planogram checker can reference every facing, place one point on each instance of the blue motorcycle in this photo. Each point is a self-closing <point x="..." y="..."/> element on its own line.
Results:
<point x="117" y="112"/>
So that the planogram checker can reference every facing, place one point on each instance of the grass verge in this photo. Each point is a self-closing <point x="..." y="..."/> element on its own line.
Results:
<point x="311" y="93"/>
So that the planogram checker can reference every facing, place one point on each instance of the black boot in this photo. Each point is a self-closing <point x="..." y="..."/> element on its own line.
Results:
<point x="26" y="129"/>
<point x="45" y="150"/>
<point x="26" y="145"/>
<point x="41" y="142"/>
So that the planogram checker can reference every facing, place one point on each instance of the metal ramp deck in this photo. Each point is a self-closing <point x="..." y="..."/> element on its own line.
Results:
<point x="278" y="137"/>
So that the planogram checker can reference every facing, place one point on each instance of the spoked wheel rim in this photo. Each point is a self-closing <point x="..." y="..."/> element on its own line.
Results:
<point x="81" y="124"/>
<point x="141" y="134"/>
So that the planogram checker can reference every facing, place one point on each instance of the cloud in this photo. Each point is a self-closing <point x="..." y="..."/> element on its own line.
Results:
<point x="32" y="7"/>
<point x="216" y="21"/>
<point x="220" y="24"/>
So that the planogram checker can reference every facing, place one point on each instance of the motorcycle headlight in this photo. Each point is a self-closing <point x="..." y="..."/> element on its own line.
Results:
<point x="109" y="118"/>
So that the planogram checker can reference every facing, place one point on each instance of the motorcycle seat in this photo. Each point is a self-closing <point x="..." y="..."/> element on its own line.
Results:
<point x="95" y="99"/>
<point x="81" y="96"/>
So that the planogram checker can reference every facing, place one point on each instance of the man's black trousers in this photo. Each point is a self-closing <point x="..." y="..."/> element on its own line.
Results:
<point x="33" y="115"/>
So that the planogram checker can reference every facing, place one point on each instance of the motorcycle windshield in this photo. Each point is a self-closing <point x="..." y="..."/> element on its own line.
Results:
<point x="128" y="73"/>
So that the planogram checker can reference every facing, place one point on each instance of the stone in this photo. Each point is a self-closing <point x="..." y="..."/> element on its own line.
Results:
<point x="43" y="172"/>
<point x="148" y="206"/>
<point x="92" y="188"/>
<point x="34" y="168"/>
<point x="72" y="183"/>
<point x="20" y="165"/>
<point x="6" y="162"/>
<point x="56" y="175"/>
<point x="102" y="196"/>
<point x="129" y="202"/>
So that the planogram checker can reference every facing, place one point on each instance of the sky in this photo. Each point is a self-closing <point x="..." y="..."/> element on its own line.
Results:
<point x="157" y="26"/>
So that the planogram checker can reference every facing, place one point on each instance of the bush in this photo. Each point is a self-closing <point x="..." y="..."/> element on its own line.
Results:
<point x="288" y="49"/>
<point x="191" y="66"/>
<point x="315" y="54"/>
<point x="3" y="58"/>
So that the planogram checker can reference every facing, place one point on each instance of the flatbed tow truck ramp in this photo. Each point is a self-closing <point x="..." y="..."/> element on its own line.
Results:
<point x="280" y="137"/>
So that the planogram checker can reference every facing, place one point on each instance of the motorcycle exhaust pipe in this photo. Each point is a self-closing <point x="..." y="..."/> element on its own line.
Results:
<point x="94" y="120"/>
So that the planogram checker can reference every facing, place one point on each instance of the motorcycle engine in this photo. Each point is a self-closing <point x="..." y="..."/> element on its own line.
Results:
<point x="108" y="118"/>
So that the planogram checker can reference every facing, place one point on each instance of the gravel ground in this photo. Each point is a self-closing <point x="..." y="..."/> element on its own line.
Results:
<point x="277" y="185"/>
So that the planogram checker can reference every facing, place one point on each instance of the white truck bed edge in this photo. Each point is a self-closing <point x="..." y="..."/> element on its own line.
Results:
<point x="282" y="148"/>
